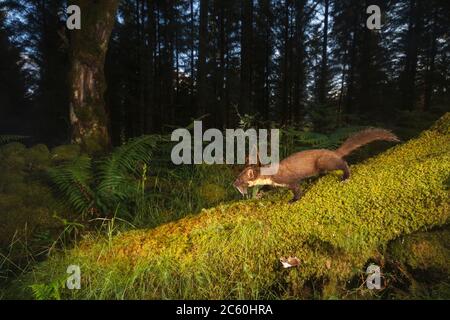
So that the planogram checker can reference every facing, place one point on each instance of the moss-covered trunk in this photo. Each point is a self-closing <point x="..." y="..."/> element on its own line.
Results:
<point x="89" y="45"/>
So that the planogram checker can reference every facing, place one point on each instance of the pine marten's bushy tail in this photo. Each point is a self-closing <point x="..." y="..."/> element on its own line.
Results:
<point x="364" y="137"/>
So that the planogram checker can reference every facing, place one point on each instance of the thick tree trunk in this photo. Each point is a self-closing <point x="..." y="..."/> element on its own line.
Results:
<point x="89" y="45"/>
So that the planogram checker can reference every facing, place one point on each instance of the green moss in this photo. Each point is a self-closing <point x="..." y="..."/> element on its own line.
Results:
<point x="13" y="164"/>
<point x="422" y="251"/>
<point x="93" y="144"/>
<point x="14" y="185"/>
<point x="65" y="152"/>
<point x="12" y="156"/>
<point x="212" y="193"/>
<point x="26" y="201"/>
<point x="422" y="260"/>
<point x="9" y="180"/>
<point x="38" y="156"/>
<point x="232" y="251"/>
<point x="443" y="124"/>
<point x="12" y="148"/>
<point x="25" y="208"/>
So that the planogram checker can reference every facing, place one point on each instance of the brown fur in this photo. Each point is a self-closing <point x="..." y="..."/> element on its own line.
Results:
<point x="310" y="163"/>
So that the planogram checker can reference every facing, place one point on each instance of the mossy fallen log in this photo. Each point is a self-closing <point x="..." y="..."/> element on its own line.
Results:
<point x="233" y="250"/>
<point x="421" y="265"/>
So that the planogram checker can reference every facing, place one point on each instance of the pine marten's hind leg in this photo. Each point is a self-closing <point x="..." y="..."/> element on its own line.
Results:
<point x="295" y="188"/>
<point x="331" y="163"/>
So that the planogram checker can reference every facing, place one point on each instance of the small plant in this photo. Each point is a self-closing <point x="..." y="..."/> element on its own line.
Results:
<point x="51" y="291"/>
<point x="99" y="187"/>
<point x="4" y="139"/>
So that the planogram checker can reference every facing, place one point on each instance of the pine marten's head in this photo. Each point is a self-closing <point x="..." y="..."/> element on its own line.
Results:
<point x="246" y="178"/>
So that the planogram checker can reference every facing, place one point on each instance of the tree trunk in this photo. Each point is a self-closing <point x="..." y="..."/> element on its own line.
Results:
<point x="298" y="61"/>
<point x="410" y="72"/>
<point x="88" y="116"/>
<point x="429" y="74"/>
<point x="263" y="49"/>
<point x="221" y="72"/>
<point x="324" y="65"/>
<point x="246" y="56"/>
<point x="192" y="52"/>
<point x="150" y="53"/>
<point x="203" y="48"/>
<point x="285" y="85"/>
<point x="350" y="107"/>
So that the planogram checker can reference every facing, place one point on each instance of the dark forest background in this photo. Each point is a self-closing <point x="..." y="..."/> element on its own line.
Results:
<point x="307" y="64"/>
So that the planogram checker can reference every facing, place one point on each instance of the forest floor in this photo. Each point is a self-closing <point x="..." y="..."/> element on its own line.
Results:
<point x="393" y="213"/>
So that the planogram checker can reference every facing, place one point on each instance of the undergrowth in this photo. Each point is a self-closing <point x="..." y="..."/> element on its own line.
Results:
<point x="232" y="249"/>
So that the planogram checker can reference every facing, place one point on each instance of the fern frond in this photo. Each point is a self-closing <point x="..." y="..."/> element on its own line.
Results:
<point x="4" y="139"/>
<point x="113" y="171"/>
<point x="72" y="181"/>
<point x="311" y="138"/>
<point x="107" y="184"/>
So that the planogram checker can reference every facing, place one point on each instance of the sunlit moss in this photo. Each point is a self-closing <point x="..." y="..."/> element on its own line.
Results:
<point x="232" y="251"/>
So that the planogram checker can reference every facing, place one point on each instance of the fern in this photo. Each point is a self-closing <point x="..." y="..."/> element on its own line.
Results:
<point x="51" y="291"/>
<point x="73" y="181"/>
<point x="102" y="186"/>
<point x="293" y="140"/>
<point x="4" y="139"/>
<point x="125" y="160"/>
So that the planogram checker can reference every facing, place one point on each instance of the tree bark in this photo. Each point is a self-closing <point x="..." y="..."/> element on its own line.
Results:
<point x="221" y="72"/>
<point x="245" y="100"/>
<point x="430" y="69"/>
<point x="203" y="48"/>
<point x="150" y="54"/>
<point x="298" y="61"/>
<point x="285" y="66"/>
<point x="192" y="52"/>
<point x="410" y="71"/>
<point x="89" y="45"/>
<point x="324" y="65"/>
<point x="263" y="54"/>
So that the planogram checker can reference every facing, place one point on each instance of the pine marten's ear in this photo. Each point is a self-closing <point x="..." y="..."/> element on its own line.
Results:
<point x="251" y="173"/>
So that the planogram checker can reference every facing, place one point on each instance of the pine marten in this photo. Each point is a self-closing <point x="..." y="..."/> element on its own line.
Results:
<point x="310" y="163"/>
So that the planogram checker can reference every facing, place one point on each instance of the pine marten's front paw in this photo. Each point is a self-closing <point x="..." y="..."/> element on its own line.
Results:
<point x="259" y="195"/>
